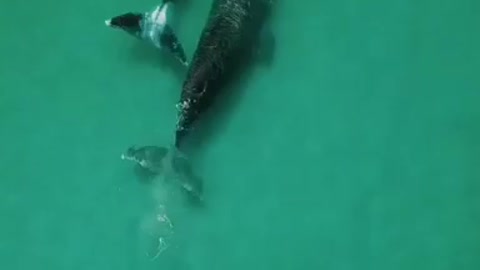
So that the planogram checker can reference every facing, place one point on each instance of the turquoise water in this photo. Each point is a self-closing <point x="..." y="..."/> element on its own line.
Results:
<point x="357" y="149"/>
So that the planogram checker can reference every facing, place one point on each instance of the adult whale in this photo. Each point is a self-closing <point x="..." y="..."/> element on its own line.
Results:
<point x="232" y="37"/>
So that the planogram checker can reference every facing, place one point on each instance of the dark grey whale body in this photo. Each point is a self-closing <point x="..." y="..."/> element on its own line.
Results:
<point x="227" y="43"/>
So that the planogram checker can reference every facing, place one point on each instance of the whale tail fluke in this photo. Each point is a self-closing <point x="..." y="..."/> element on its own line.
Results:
<point x="152" y="161"/>
<point x="178" y="167"/>
<point x="190" y="182"/>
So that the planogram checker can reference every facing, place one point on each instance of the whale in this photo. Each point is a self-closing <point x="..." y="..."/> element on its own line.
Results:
<point x="231" y="39"/>
<point x="153" y="27"/>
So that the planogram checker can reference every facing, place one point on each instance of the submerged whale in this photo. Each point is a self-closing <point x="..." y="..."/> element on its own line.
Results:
<point x="231" y="38"/>
<point x="152" y="27"/>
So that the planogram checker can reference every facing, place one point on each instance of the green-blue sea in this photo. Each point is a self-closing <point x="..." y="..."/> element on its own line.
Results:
<point x="357" y="148"/>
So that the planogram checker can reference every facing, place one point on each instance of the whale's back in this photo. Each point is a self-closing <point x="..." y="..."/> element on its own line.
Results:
<point x="225" y="46"/>
<point x="231" y="30"/>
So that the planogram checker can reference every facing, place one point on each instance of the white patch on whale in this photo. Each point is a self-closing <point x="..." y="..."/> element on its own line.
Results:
<point x="154" y="22"/>
<point x="159" y="15"/>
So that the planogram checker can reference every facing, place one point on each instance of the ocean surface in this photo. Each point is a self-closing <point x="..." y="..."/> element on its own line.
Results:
<point x="358" y="148"/>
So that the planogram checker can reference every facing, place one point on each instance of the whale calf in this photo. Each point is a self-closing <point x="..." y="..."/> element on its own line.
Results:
<point x="152" y="27"/>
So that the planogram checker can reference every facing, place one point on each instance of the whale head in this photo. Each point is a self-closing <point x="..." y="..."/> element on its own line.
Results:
<point x="129" y="22"/>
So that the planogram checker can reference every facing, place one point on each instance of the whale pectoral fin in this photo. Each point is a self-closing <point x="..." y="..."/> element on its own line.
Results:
<point x="265" y="49"/>
<point x="169" y="40"/>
